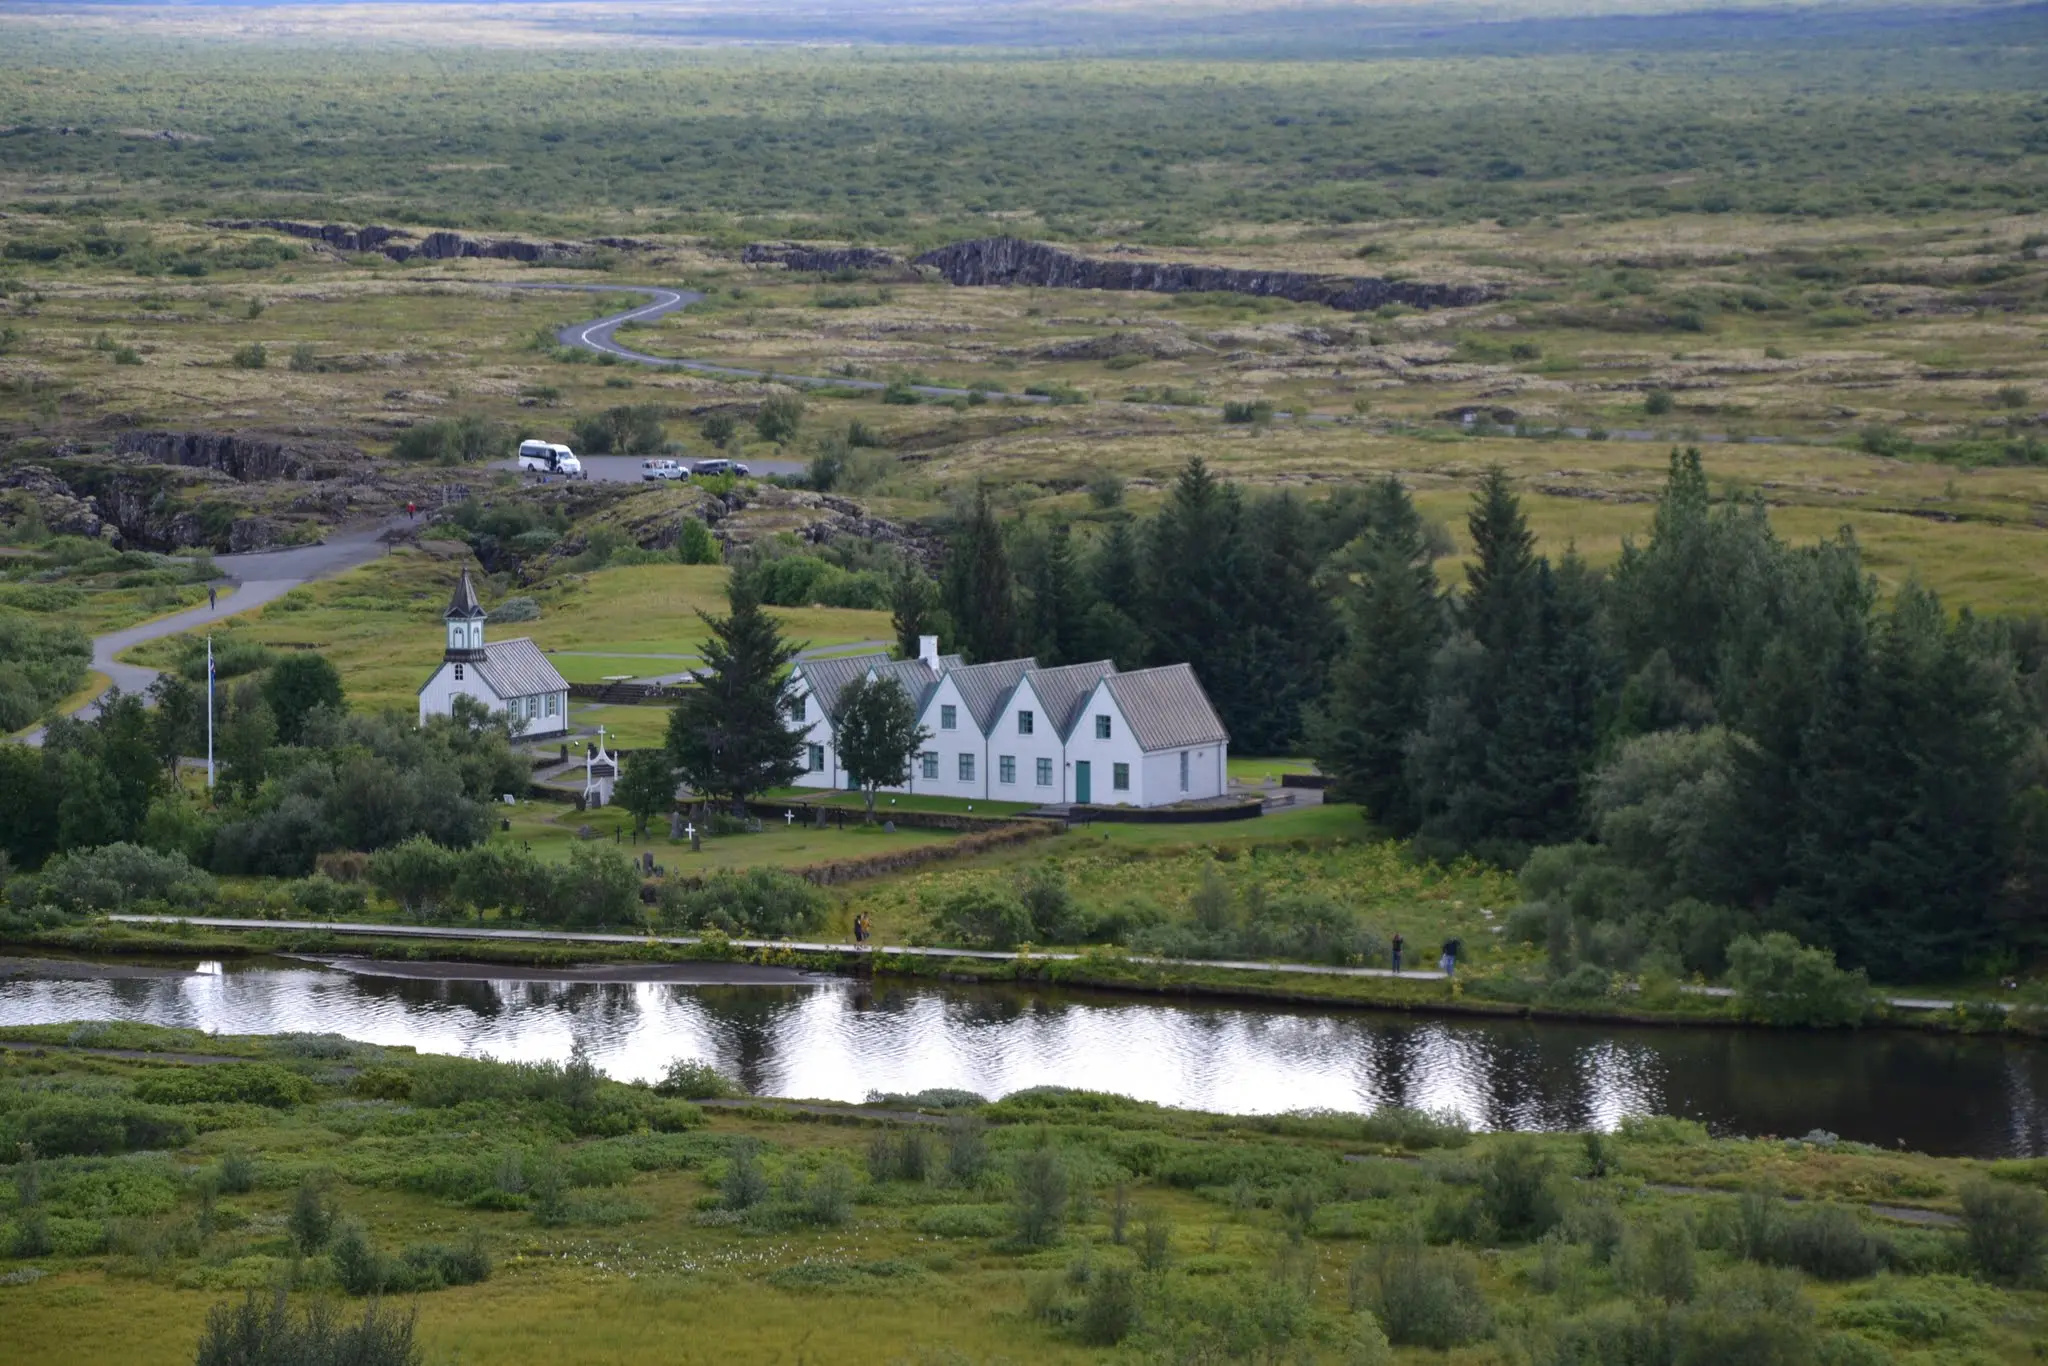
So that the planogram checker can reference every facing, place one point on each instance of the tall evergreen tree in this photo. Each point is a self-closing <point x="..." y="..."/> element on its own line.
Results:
<point x="913" y="609"/>
<point x="980" y="591"/>
<point x="1379" y="687"/>
<point x="1519" y="694"/>
<point x="730" y="735"/>
<point x="1287" y="632"/>
<point x="1057" y="601"/>
<point x="1111" y="630"/>
<point x="1195" y="592"/>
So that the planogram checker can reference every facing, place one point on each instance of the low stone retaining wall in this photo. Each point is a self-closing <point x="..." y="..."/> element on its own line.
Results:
<point x="1166" y="815"/>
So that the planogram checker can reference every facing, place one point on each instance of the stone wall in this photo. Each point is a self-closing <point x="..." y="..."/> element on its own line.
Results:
<point x="798" y="256"/>
<point x="1015" y="261"/>
<point x="400" y="245"/>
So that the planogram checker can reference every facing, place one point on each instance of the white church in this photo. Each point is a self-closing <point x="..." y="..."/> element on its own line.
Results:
<point x="511" y="676"/>
<point x="1012" y="731"/>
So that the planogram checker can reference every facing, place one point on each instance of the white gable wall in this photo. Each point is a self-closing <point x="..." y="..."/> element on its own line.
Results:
<point x="817" y="730"/>
<point x="1102" y="756"/>
<point x="438" y="697"/>
<point x="1207" y="774"/>
<point x="1025" y="750"/>
<point x="949" y="745"/>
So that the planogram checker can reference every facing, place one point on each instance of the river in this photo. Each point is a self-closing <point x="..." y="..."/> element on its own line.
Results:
<point x="788" y="1034"/>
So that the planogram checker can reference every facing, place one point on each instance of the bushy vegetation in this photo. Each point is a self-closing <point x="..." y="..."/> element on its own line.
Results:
<point x="1116" y="1222"/>
<point x="758" y="903"/>
<point x="41" y="663"/>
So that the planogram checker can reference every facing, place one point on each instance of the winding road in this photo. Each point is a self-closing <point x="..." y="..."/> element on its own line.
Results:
<point x="598" y="336"/>
<point x="258" y="577"/>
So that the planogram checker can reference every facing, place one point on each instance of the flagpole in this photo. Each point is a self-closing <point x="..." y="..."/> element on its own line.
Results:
<point x="209" y="713"/>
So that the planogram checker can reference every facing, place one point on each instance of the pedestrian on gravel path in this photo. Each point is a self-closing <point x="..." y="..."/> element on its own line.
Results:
<point x="1398" y="942"/>
<point x="1449" y="962"/>
<point x="212" y="597"/>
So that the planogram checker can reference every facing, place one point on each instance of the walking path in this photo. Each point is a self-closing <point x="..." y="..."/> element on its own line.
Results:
<point x="861" y="951"/>
<point x="794" y="945"/>
<point x="259" y="577"/>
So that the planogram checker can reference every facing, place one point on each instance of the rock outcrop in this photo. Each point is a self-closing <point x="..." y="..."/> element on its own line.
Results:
<point x="1015" y="261"/>
<point x="400" y="245"/>
<point x="61" y="509"/>
<point x="798" y="256"/>
<point x="243" y="458"/>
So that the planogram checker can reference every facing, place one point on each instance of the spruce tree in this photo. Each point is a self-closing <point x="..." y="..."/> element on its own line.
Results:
<point x="1287" y="631"/>
<point x="729" y="736"/>
<point x="1058" y="601"/>
<point x="1379" y="687"/>
<point x="913" y="609"/>
<point x="980" y="589"/>
<point x="1195" y="602"/>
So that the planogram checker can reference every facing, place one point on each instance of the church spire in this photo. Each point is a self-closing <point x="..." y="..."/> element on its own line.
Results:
<point x="465" y="618"/>
<point x="462" y="603"/>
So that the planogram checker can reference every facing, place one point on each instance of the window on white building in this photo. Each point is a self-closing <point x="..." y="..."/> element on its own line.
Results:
<point x="1024" y="719"/>
<point x="1102" y="727"/>
<point x="1183" y="770"/>
<point x="1045" y="773"/>
<point x="949" y="718"/>
<point x="1006" y="769"/>
<point x="554" y="704"/>
<point x="930" y="759"/>
<point x="817" y="758"/>
<point x="967" y="768"/>
<point x="1120" y="777"/>
<point x="458" y="673"/>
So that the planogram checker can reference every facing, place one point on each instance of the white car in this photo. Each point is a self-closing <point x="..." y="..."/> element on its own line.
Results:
<point x="714" y="468"/>
<point x="546" y="457"/>
<point x="662" y="469"/>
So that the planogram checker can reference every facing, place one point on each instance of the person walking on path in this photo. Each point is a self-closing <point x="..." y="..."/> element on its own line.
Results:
<point x="1398" y="941"/>
<point x="1449" y="962"/>
<point x="212" y="597"/>
<point x="411" y="510"/>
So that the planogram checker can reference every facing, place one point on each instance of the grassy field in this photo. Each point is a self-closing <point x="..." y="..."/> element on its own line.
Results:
<point x="551" y="831"/>
<point x="647" y="1247"/>
<point x="381" y="624"/>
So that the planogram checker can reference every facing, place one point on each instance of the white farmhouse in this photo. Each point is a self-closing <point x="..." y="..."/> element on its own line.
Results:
<point x="511" y="676"/>
<point x="1012" y="731"/>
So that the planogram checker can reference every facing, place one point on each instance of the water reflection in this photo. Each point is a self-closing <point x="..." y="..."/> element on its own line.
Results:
<point x="841" y="1039"/>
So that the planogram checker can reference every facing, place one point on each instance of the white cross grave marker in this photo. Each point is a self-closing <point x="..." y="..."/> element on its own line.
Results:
<point x="689" y="832"/>
<point x="788" y="818"/>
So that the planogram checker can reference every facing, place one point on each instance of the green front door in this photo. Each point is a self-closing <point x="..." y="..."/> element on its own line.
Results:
<point x="1082" y="792"/>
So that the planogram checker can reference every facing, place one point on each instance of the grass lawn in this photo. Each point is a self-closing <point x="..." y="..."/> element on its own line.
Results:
<point x="551" y="832"/>
<point x="901" y="802"/>
<point x="1246" y="769"/>
<point x="652" y="609"/>
<point x="624" y="727"/>
<point x="598" y="668"/>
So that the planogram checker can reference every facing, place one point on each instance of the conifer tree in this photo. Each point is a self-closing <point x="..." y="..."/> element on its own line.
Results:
<point x="1379" y="688"/>
<point x="1058" y="601"/>
<point x="730" y="735"/>
<point x="913" y="609"/>
<point x="980" y="588"/>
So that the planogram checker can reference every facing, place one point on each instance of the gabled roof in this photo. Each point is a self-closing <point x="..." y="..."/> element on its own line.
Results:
<point x="517" y="668"/>
<point x="828" y="678"/>
<point x="985" y="687"/>
<point x="914" y="676"/>
<point x="1061" y="691"/>
<point x="462" y="603"/>
<point x="1166" y="707"/>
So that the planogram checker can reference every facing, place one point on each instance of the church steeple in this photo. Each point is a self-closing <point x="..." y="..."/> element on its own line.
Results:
<point x="465" y="619"/>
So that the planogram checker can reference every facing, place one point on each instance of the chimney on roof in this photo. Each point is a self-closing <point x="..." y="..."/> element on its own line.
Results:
<point x="928" y="651"/>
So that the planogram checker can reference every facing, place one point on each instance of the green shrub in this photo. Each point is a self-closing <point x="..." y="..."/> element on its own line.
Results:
<point x="311" y="1221"/>
<point x="1516" y="1192"/>
<point x="236" y="1174"/>
<point x="779" y="418"/>
<point x="77" y="1126"/>
<point x="250" y="356"/>
<point x="1402" y="1127"/>
<point x="1657" y="1261"/>
<point x="631" y="429"/>
<point x="1427" y="1297"/>
<point x="964" y="1221"/>
<point x="2005" y="1229"/>
<point x="1251" y="412"/>
<point x="453" y="441"/>
<point x="983" y="915"/>
<point x="1778" y="981"/>
<point x="760" y="902"/>
<point x="113" y="877"/>
<point x="744" y="1184"/>
<point x="966" y="1151"/>
<point x="1658" y="402"/>
<point x="689" y="1079"/>
<point x="246" y="1083"/>
<point x="1829" y="1243"/>
<point x="1110" y="1310"/>
<point x="694" y="542"/>
<point x="900" y="1154"/>
<point x="1041" y="1187"/>
<point x="262" y="1331"/>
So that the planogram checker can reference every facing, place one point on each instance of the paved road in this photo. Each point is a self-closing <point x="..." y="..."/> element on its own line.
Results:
<point x="259" y="577"/>
<point x="596" y="335"/>
<point x="625" y="469"/>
